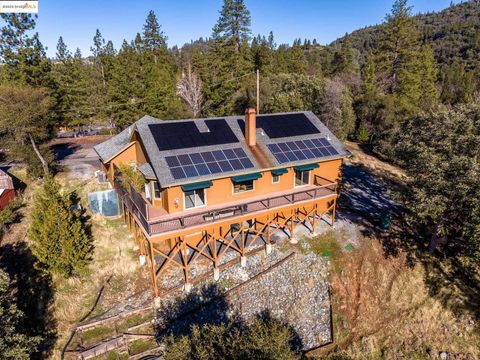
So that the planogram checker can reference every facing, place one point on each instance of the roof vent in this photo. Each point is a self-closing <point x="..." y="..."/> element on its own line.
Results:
<point x="202" y="127"/>
<point x="328" y="137"/>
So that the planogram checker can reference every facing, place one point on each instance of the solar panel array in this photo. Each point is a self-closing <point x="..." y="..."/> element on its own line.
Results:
<point x="208" y="162"/>
<point x="185" y="134"/>
<point x="284" y="125"/>
<point x="291" y="151"/>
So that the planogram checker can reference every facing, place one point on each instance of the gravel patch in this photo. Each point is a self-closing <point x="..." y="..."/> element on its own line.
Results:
<point x="294" y="292"/>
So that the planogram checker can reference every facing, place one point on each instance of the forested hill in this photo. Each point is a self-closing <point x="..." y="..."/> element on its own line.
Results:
<point x="453" y="34"/>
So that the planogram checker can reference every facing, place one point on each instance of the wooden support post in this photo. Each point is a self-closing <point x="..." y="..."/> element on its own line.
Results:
<point x="268" y="229"/>
<point x="314" y="221"/>
<point x="215" y="258"/>
<point x="291" y="224"/>
<point x="142" y="243"/>
<point x="243" y="239"/>
<point x="333" y="211"/>
<point x="185" y="261"/>
<point x="152" y="268"/>
<point x="135" y="232"/>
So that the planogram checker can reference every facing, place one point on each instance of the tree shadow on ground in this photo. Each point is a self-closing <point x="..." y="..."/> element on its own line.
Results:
<point x="208" y="306"/>
<point x="35" y="295"/>
<point x="62" y="151"/>
<point x="447" y="278"/>
<point x="365" y="199"/>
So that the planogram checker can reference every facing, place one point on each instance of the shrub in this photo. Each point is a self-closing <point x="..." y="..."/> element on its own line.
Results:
<point x="59" y="237"/>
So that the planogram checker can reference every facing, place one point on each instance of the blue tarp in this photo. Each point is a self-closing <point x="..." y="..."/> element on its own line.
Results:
<point x="104" y="202"/>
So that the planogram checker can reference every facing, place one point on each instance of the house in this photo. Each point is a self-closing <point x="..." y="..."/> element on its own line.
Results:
<point x="7" y="191"/>
<point x="219" y="184"/>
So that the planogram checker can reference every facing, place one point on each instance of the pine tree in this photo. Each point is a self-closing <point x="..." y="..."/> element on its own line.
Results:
<point x="362" y="133"/>
<point x="97" y="51"/>
<point x="59" y="240"/>
<point x="14" y="344"/>
<point x="15" y="41"/>
<point x="153" y="37"/>
<point x="428" y="67"/>
<point x="398" y="56"/>
<point x="63" y="54"/>
<point x="344" y="61"/>
<point x="296" y="63"/>
<point x="233" y="26"/>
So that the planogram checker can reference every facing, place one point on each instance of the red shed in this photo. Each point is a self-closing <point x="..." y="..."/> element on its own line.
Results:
<point x="7" y="191"/>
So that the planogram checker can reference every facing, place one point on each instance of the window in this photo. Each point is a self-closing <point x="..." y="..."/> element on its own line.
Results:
<point x="156" y="190"/>
<point x="194" y="198"/>
<point x="302" y="177"/>
<point x="275" y="178"/>
<point x="243" y="186"/>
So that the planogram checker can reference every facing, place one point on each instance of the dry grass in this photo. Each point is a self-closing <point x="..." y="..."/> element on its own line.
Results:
<point x="114" y="267"/>
<point x="359" y="156"/>
<point x="383" y="310"/>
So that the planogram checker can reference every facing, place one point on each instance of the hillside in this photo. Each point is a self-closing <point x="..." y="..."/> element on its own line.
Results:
<point x="454" y="34"/>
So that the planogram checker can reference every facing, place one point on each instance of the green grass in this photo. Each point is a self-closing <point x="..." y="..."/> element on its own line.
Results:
<point x="133" y="320"/>
<point x="141" y="345"/>
<point x="144" y="329"/>
<point x="112" y="355"/>
<point x="326" y="245"/>
<point x="93" y="336"/>
<point x="225" y="283"/>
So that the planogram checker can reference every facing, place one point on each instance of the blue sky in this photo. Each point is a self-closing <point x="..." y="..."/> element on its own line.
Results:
<point x="184" y="20"/>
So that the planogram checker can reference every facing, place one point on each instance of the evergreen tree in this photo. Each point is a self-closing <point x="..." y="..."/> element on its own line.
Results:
<point x="428" y="71"/>
<point x="63" y="54"/>
<point x="271" y="41"/>
<point x="344" y="58"/>
<point x="441" y="150"/>
<point x="153" y="37"/>
<point x="398" y="57"/>
<point x="59" y="240"/>
<point x="233" y="26"/>
<point x="15" y="42"/>
<point x="98" y="51"/>
<point x="14" y="344"/>
<point x="296" y="63"/>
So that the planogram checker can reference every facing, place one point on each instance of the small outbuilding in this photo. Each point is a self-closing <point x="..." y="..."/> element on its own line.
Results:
<point x="7" y="190"/>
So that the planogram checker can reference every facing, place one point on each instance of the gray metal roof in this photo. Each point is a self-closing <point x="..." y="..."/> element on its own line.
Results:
<point x="107" y="149"/>
<point x="160" y="169"/>
<point x="147" y="171"/>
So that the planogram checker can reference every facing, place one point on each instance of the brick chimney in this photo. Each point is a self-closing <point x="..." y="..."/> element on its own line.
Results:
<point x="251" y="127"/>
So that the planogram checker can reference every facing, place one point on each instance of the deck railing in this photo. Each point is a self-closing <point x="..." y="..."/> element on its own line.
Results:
<point x="138" y="206"/>
<point x="248" y="207"/>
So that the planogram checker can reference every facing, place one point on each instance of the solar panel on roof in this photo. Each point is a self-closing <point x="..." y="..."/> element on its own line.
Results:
<point x="301" y="150"/>
<point x="208" y="162"/>
<point x="185" y="134"/>
<point x="284" y="125"/>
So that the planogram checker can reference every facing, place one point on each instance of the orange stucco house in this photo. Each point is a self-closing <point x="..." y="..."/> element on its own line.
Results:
<point x="221" y="184"/>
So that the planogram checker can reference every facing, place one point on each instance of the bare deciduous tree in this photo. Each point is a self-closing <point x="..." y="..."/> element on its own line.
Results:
<point x="189" y="88"/>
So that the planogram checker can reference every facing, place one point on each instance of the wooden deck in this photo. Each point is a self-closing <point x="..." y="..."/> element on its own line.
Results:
<point x="155" y="220"/>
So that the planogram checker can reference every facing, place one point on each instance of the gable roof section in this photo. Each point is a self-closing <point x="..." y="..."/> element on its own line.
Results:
<point x="192" y="150"/>
<point x="5" y="181"/>
<point x="111" y="147"/>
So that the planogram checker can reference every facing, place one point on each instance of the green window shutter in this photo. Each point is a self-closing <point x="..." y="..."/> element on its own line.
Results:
<point x="278" y="172"/>
<point x="246" y="177"/>
<point x="197" y="185"/>
<point x="307" y="167"/>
